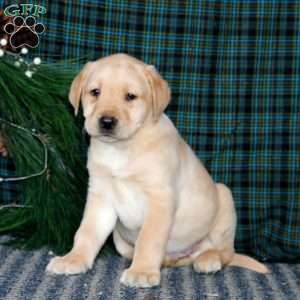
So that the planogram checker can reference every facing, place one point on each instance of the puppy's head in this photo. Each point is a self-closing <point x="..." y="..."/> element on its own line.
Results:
<point x="118" y="94"/>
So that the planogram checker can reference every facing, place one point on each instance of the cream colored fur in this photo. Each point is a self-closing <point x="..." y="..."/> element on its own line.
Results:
<point x="146" y="185"/>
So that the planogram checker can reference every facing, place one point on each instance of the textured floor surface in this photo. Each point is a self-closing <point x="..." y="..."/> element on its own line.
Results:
<point x="22" y="277"/>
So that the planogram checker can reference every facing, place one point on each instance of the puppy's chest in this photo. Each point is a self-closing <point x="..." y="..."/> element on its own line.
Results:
<point x="130" y="203"/>
<point x="117" y="162"/>
<point x="128" y="195"/>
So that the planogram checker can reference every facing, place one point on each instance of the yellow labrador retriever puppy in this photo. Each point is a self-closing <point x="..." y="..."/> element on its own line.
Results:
<point x="146" y="185"/>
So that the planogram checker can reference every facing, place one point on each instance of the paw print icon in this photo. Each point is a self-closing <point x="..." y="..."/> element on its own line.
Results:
<point x="24" y="32"/>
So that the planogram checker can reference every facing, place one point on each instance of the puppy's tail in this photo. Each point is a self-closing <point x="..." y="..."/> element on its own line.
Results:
<point x="247" y="262"/>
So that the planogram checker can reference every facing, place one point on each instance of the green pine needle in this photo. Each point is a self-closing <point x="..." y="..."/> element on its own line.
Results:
<point x="54" y="201"/>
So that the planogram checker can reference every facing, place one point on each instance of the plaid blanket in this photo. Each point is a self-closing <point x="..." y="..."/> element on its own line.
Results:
<point x="234" y="71"/>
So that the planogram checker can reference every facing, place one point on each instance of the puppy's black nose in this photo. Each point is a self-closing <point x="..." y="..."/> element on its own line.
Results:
<point x="107" y="123"/>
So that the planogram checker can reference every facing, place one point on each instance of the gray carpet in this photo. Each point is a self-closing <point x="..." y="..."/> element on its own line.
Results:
<point x="22" y="277"/>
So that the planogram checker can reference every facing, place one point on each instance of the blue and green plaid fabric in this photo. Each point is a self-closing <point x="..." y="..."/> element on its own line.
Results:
<point x="234" y="71"/>
<point x="8" y="190"/>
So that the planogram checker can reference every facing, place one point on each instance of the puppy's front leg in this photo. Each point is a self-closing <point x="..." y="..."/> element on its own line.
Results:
<point x="151" y="242"/>
<point x="98" y="222"/>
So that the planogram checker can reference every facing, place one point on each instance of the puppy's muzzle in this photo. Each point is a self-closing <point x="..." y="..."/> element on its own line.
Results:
<point x="107" y="124"/>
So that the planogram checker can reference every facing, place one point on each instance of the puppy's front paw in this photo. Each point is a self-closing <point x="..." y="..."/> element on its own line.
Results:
<point x="68" y="264"/>
<point x="133" y="278"/>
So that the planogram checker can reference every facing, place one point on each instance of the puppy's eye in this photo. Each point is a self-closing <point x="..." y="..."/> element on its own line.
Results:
<point x="95" y="92"/>
<point x="130" y="97"/>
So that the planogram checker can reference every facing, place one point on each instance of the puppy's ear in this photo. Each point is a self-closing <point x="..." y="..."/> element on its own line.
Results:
<point x="160" y="92"/>
<point x="77" y="86"/>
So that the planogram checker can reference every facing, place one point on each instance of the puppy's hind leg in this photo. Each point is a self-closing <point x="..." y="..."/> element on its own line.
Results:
<point x="222" y="241"/>
<point x="221" y="237"/>
<point x="212" y="260"/>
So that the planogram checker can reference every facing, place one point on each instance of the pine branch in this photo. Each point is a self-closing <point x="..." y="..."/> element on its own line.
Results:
<point x="53" y="201"/>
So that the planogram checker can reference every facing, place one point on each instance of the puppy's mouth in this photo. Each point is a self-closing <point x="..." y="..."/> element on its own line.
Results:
<point x="108" y="137"/>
